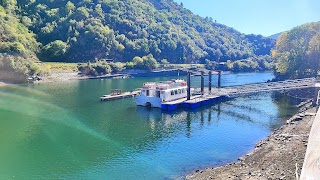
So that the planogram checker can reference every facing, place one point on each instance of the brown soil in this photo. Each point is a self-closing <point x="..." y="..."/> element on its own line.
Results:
<point x="280" y="156"/>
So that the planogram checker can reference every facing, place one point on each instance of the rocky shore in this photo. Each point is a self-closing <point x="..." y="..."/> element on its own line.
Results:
<point x="2" y="83"/>
<point x="279" y="156"/>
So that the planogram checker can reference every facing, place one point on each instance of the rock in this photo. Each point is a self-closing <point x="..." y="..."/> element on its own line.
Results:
<point x="283" y="177"/>
<point x="310" y="114"/>
<point x="295" y="118"/>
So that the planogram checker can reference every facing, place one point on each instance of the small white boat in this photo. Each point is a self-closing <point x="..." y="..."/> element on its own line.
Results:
<point x="155" y="93"/>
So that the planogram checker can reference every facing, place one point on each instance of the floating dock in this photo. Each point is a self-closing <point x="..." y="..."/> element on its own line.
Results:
<point x="121" y="95"/>
<point x="194" y="102"/>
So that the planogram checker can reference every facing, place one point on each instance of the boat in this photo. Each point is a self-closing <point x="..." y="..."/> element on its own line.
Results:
<point x="153" y="94"/>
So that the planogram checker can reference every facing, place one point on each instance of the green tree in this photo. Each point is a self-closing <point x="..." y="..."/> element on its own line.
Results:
<point x="70" y="7"/>
<point x="297" y="52"/>
<point x="150" y="62"/>
<point x="138" y="62"/>
<point x="54" y="51"/>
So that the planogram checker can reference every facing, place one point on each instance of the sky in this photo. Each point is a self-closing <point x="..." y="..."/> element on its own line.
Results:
<point x="265" y="17"/>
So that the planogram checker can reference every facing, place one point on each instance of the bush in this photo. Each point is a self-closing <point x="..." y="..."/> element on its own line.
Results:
<point x="96" y="69"/>
<point x="146" y="62"/>
<point x="17" y="69"/>
<point x="116" y="67"/>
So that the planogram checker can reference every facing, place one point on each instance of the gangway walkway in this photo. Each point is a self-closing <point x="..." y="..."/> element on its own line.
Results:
<point x="233" y="91"/>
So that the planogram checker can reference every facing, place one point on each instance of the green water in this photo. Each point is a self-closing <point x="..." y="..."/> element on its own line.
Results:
<point x="62" y="131"/>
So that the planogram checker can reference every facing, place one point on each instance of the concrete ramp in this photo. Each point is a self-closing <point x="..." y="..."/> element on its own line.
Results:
<point x="311" y="165"/>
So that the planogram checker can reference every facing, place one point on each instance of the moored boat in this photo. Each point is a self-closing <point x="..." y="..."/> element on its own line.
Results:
<point x="155" y="93"/>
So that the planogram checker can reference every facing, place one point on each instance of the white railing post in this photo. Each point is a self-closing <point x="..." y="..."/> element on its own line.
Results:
<point x="318" y="97"/>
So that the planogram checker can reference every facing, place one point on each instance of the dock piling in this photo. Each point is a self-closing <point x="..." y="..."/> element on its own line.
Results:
<point x="210" y="79"/>
<point x="219" y="79"/>
<point x="202" y="82"/>
<point x="189" y="86"/>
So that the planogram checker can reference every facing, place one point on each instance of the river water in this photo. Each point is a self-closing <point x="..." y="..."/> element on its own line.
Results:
<point x="62" y="130"/>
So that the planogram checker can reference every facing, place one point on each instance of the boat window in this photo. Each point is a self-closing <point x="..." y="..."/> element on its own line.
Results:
<point x="158" y="94"/>
<point x="147" y="94"/>
<point x="182" y="91"/>
<point x="175" y="91"/>
<point x="179" y="91"/>
<point x="172" y="93"/>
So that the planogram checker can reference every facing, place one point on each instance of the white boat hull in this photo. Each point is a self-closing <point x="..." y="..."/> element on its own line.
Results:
<point x="142" y="100"/>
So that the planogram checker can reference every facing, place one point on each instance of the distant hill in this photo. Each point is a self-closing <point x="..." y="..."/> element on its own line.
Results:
<point x="275" y="36"/>
<point x="86" y="30"/>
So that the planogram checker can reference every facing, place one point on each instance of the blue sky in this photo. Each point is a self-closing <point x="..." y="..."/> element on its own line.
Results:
<point x="265" y="17"/>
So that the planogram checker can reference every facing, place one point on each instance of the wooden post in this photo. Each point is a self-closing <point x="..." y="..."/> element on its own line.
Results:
<point x="210" y="79"/>
<point x="202" y="82"/>
<point x="189" y="86"/>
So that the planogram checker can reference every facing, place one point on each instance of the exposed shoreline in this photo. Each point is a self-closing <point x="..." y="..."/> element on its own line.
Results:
<point x="279" y="156"/>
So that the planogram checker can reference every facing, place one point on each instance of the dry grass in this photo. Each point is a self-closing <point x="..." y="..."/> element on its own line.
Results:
<point x="58" y="67"/>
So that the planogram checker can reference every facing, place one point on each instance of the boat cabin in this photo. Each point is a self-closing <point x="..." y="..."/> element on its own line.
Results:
<point x="155" y="93"/>
<point x="166" y="91"/>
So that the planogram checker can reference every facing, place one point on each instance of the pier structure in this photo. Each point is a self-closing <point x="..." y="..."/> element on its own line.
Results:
<point x="197" y="97"/>
<point x="208" y="96"/>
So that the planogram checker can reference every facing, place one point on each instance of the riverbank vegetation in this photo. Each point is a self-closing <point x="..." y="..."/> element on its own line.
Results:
<point x="297" y="52"/>
<point x="17" y="69"/>
<point x="254" y="63"/>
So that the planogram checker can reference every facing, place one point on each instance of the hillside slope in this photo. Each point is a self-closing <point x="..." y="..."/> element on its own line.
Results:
<point x="83" y="30"/>
<point x="297" y="52"/>
<point x="17" y="47"/>
<point x="275" y="36"/>
<point x="15" y="37"/>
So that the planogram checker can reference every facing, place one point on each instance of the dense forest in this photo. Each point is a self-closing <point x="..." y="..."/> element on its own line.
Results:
<point x="85" y="30"/>
<point x="297" y="52"/>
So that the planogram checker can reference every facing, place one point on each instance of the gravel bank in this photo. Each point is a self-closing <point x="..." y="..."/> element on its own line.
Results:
<point x="279" y="156"/>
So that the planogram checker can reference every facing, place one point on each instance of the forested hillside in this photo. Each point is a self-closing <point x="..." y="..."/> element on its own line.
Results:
<point x="85" y="30"/>
<point x="15" y="37"/>
<point x="297" y="52"/>
<point x="275" y="36"/>
<point x="17" y="47"/>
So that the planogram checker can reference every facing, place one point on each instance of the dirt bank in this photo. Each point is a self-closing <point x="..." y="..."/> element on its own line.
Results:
<point x="60" y="76"/>
<point x="280" y="156"/>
